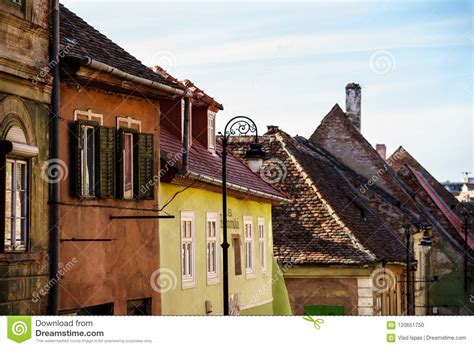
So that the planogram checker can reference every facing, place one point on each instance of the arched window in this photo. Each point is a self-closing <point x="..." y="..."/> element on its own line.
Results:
<point x="15" y="158"/>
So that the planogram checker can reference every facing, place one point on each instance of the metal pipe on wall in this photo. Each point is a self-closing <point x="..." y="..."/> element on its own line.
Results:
<point x="54" y="196"/>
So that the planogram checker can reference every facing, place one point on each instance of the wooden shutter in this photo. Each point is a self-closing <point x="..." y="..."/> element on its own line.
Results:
<point x="144" y="185"/>
<point x="105" y="161"/>
<point x="76" y="148"/>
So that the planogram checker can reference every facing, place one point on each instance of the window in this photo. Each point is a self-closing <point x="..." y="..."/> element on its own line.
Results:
<point x="139" y="307"/>
<point x="249" y="246"/>
<point x="135" y="161"/>
<point x="16" y="205"/>
<point x="237" y="255"/>
<point x="262" y="246"/>
<point x="188" y="258"/>
<point x="127" y="166"/>
<point x="88" y="151"/>
<point x="212" y="248"/>
<point x="211" y="131"/>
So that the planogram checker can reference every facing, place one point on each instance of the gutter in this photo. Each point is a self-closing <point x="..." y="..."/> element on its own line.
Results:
<point x="234" y="187"/>
<point x="95" y="64"/>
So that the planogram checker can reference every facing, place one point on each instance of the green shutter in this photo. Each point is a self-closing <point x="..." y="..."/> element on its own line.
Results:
<point x="143" y="166"/>
<point x="76" y="144"/>
<point x="106" y="161"/>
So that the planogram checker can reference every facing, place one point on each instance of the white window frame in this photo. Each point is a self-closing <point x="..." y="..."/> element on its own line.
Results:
<point x="132" y="173"/>
<point x="262" y="247"/>
<point x="249" y="244"/>
<point x="88" y="115"/>
<point x="84" y="161"/>
<point x="14" y="245"/>
<point x="129" y="122"/>
<point x="211" y="130"/>
<point x="212" y="277"/>
<point x="188" y="279"/>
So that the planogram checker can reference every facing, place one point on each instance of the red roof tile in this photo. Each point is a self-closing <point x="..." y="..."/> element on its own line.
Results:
<point x="203" y="162"/>
<point x="452" y="218"/>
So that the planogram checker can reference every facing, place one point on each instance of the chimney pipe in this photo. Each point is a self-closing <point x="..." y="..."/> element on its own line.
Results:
<point x="382" y="150"/>
<point x="353" y="96"/>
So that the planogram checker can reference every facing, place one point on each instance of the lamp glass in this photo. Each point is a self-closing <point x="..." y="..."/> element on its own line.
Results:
<point x="255" y="164"/>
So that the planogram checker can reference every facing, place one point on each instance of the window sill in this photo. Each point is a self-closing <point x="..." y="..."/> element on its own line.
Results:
<point x="250" y="275"/>
<point x="20" y="256"/>
<point x="213" y="281"/>
<point x="188" y="285"/>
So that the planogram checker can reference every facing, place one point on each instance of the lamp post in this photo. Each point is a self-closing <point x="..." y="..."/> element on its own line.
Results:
<point x="425" y="243"/>
<point x="239" y="125"/>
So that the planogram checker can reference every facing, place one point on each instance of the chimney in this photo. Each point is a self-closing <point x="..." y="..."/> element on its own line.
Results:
<point x="353" y="95"/>
<point x="382" y="150"/>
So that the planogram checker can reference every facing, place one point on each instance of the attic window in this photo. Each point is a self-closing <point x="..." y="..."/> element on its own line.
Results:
<point x="88" y="115"/>
<point x="211" y="130"/>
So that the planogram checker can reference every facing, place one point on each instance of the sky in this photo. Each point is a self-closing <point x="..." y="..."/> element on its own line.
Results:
<point x="287" y="64"/>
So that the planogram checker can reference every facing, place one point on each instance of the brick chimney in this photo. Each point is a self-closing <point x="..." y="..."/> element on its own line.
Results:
<point x="382" y="150"/>
<point x="353" y="95"/>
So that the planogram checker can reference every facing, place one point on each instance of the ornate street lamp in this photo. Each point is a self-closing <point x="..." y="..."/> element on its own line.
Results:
<point x="239" y="125"/>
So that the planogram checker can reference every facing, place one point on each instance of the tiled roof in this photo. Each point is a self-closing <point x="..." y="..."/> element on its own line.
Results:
<point x="329" y="222"/>
<point x="455" y="221"/>
<point x="203" y="162"/>
<point x="402" y="157"/>
<point x="82" y="41"/>
<point x="202" y="96"/>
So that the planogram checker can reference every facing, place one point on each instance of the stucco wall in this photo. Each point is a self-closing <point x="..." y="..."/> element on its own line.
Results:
<point x="255" y="294"/>
<point x="23" y="275"/>
<point x="323" y="292"/>
<point x="120" y="269"/>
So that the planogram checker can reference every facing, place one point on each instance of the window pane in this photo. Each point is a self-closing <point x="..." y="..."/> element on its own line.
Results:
<point x="21" y="176"/>
<point x="9" y="207"/>
<point x="128" y="166"/>
<point x="8" y="229"/>
<point x="9" y="170"/>
<point x="88" y="161"/>
<point x="183" y="261"/>
<point x="190" y="260"/>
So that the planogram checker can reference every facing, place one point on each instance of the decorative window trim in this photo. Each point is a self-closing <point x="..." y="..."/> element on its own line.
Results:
<point x="188" y="281"/>
<point x="130" y="123"/>
<point x="249" y="247"/>
<point x="23" y="246"/>
<point x="88" y="115"/>
<point x="212" y="278"/>
<point x="262" y="247"/>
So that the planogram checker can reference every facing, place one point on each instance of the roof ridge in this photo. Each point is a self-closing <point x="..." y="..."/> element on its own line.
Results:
<point x="374" y="188"/>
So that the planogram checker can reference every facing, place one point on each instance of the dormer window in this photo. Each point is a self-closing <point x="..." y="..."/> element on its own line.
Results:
<point x="211" y="131"/>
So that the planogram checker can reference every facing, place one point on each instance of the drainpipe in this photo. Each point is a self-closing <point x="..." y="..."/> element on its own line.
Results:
<point x="54" y="197"/>
<point x="186" y="135"/>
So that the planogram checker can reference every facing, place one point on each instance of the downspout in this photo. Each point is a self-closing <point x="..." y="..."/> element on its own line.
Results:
<point x="54" y="197"/>
<point x="186" y="135"/>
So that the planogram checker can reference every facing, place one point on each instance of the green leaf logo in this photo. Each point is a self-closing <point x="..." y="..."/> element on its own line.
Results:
<point x="19" y="329"/>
